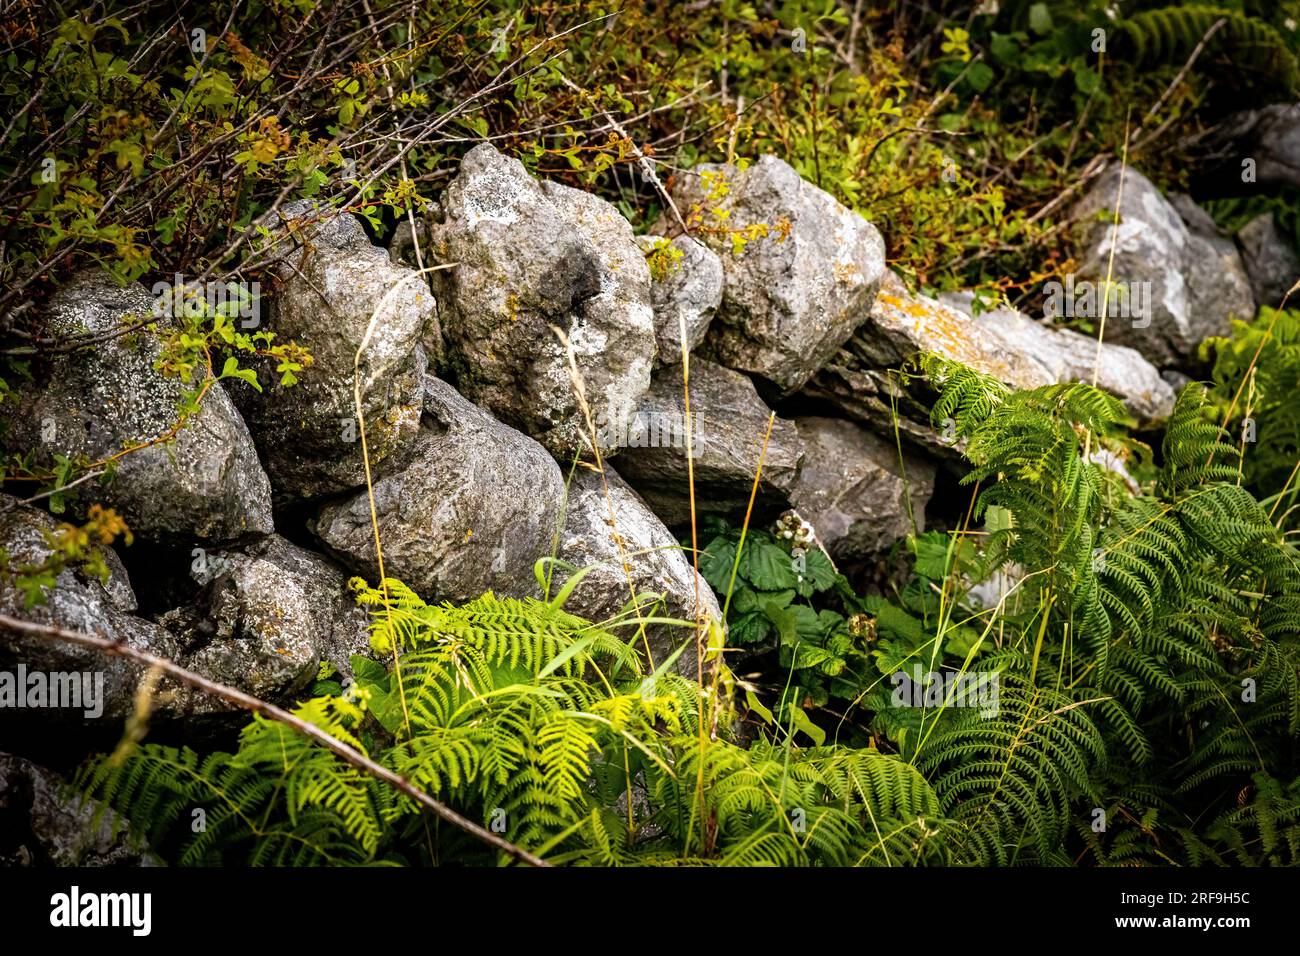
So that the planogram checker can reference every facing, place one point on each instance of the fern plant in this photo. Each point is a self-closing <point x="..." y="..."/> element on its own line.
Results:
<point x="542" y="726"/>
<point x="1144" y="653"/>
<point x="1169" y="617"/>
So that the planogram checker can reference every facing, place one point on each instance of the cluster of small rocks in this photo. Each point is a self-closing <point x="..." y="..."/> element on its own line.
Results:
<point x="542" y="333"/>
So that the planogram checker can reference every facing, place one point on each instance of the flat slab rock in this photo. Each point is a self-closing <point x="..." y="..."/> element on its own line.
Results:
<point x="1002" y="343"/>
<point x="473" y="508"/>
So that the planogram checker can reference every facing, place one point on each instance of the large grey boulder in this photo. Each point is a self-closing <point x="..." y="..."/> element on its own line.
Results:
<point x="629" y="549"/>
<point x="1003" y="343"/>
<point x="531" y="258"/>
<point x="266" y="616"/>
<point x="1270" y="259"/>
<point x="793" y="295"/>
<point x="44" y="824"/>
<point x="339" y="293"/>
<point x="685" y="293"/>
<point x="474" y="507"/>
<point x="856" y="490"/>
<point x="1190" y="278"/>
<point x="206" y="484"/>
<point x="729" y="421"/>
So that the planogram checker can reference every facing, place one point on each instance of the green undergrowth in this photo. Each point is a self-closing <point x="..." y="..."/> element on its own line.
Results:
<point x="1085" y="674"/>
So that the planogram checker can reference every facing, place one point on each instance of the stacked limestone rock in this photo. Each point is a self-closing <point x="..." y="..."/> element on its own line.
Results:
<point x="543" y="334"/>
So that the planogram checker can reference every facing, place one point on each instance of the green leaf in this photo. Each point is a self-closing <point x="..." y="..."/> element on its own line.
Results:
<point x="1040" y="19"/>
<point x="749" y="628"/>
<point x="818" y="575"/>
<point x="1086" y="81"/>
<point x="767" y="566"/>
<point x="368" y="672"/>
<point x="802" y="722"/>
<point x="1004" y="48"/>
<point x="931" y="550"/>
<point x="979" y="76"/>
<point x="716" y="561"/>
<point x="746" y="600"/>
<point x="796" y="623"/>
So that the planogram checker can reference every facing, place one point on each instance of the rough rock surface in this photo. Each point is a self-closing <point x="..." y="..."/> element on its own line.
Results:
<point x="1197" y="281"/>
<point x="729" y="421"/>
<point x="1005" y="344"/>
<point x="472" y="510"/>
<point x="1069" y="356"/>
<point x="76" y="602"/>
<point x="41" y="824"/>
<point x="1270" y="259"/>
<point x="531" y="257"/>
<point x="685" y="296"/>
<point x="792" y="297"/>
<point x="266" y="616"/>
<point x="331" y="289"/>
<point x="853" y="489"/>
<point x="655" y="563"/>
<point x="268" y="613"/>
<point x="207" y="484"/>
<point x="1270" y="136"/>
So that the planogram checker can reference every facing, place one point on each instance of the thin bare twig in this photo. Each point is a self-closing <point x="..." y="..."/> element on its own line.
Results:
<point x="270" y="711"/>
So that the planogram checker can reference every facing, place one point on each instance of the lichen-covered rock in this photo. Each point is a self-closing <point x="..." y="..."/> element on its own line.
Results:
<point x="76" y="602"/>
<point x="630" y="549"/>
<point x="473" y="508"/>
<point x="314" y="224"/>
<point x="207" y="484"/>
<point x="1190" y="278"/>
<point x="338" y="293"/>
<point x="685" y="295"/>
<point x="796" y="290"/>
<point x="854" y="490"/>
<point x="1270" y="259"/>
<point x="1002" y="343"/>
<point x="268" y="613"/>
<point x="729" y="421"/>
<point x="266" y="616"/>
<point x="531" y="258"/>
<point x="43" y="824"/>
<point x="1068" y="356"/>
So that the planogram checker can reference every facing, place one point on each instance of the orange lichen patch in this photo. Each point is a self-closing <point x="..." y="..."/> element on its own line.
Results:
<point x="934" y="327"/>
<point x="847" y="272"/>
